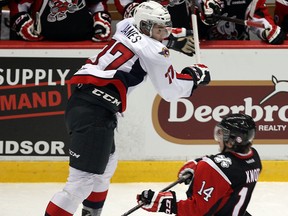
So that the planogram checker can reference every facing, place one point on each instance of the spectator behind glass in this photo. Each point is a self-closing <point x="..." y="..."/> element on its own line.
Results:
<point x="211" y="28"/>
<point x="281" y="15"/>
<point x="58" y="20"/>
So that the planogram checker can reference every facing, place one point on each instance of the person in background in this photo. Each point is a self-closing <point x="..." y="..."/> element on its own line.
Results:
<point x="134" y="52"/>
<point x="220" y="184"/>
<point x="60" y="20"/>
<point x="212" y="28"/>
<point x="281" y="15"/>
<point x="181" y="38"/>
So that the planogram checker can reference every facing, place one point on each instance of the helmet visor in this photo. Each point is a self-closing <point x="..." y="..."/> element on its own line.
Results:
<point x="218" y="134"/>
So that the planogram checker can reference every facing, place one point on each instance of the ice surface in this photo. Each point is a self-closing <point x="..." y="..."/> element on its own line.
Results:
<point x="30" y="199"/>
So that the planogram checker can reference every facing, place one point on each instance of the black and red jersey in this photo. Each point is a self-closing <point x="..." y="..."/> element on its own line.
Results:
<point x="223" y="185"/>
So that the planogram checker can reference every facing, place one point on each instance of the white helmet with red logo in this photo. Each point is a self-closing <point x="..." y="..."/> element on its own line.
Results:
<point x="149" y="13"/>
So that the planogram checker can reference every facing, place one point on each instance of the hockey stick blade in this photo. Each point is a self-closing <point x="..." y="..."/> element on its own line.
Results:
<point x="179" y="181"/>
<point x="241" y="22"/>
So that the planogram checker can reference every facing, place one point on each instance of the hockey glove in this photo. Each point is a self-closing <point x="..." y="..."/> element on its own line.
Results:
<point x="188" y="168"/>
<point x="25" y="27"/>
<point x="129" y="10"/>
<point x="199" y="73"/>
<point x="274" y="35"/>
<point x="182" y="44"/>
<point x="211" y="8"/>
<point x="102" y="26"/>
<point x="158" y="201"/>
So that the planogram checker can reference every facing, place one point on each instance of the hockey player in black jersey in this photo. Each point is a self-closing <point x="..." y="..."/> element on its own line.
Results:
<point x="222" y="184"/>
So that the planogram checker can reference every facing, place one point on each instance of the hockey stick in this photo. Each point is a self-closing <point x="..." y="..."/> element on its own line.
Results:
<point x="241" y="22"/>
<point x="179" y="181"/>
<point x="195" y="32"/>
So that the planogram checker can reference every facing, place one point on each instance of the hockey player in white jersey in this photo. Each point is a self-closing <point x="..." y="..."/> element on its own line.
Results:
<point x="134" y="52"/>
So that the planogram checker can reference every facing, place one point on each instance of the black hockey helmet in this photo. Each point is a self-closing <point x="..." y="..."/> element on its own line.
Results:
<point x="237" y="129"/>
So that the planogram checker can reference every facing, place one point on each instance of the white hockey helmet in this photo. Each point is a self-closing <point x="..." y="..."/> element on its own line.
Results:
<point x="149" y="13"/>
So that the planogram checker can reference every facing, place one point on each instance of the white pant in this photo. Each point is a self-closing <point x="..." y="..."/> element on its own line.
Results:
<point x="80" y="184"/>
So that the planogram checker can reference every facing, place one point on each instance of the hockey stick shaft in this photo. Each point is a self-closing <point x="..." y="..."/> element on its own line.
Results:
<point x="196" y="38"/>
<point x="195" y="32"/>
<point x="241" y="22"/>
<point x="179" y="181"/>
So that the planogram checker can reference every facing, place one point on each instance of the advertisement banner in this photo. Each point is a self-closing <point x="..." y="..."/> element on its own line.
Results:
<point x="34" y="93"/>
<point x="197" y="116"/>
<point x="35" y="89"/>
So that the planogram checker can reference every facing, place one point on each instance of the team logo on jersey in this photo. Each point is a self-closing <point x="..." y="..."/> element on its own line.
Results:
<point x="165" y="52"/>
<point x="59" y="9"/>
<point x="225" y="162"/>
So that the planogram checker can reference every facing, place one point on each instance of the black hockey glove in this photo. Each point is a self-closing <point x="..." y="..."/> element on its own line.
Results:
<point x="210" y="9"/>
<point x="158" y="201"/>
<point x="26" y="27"/>
<point x="102" y="26"/>
<point x="182" y="44"/>
<point x="200" y="74"/>
<point x="274" y="35"/>
<point x="188" y="168"/>
<point x="129" y="10"/>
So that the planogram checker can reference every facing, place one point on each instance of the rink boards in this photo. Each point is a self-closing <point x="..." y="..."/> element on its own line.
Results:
<point x="152" y="142"/>
<point x="127" y="171"/>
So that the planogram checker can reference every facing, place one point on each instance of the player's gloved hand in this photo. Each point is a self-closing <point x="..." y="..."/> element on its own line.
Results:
<point x="188" y="168"/>
<point x="158" y="201"/>
<point x="129" y="9"/>
<point x="274" y="35"/>
<point x="182" y="44"/>
<point x="210" y="9"/>
<point x="200" y="74"/>
<point x="102" y="26"/>
<point x="25" y="27"/>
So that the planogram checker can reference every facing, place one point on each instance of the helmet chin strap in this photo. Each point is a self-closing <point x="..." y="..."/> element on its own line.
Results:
<point x="150" y="31"/>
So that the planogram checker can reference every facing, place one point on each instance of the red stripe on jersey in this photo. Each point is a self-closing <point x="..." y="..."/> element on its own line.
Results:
<point x="210" y="185"/>
<point x="54" y="210"/>
<point x="243" y="156"/>
<point x="183" y="76"/>
<point x="89" y="79"/>
<point x="97" y="196"/>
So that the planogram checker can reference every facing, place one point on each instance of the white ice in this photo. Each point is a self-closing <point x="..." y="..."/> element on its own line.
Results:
<point x="30" y="199"/>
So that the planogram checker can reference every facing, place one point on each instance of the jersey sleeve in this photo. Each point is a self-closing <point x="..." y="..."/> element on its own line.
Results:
<point x="260" y="15"/>
<point x="16" y="7"/>
<point x="169" y="84"/>
<point x="281" y="12"/>
<point x="97" y="6"/>
<point x="211" y="188"/>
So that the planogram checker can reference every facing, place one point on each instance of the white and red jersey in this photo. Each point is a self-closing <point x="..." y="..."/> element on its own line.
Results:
<point x="281" y="10"/>
<point x="222" y="186"/>
<point x="281" y="14"/>
<point x="126" y="61"/>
